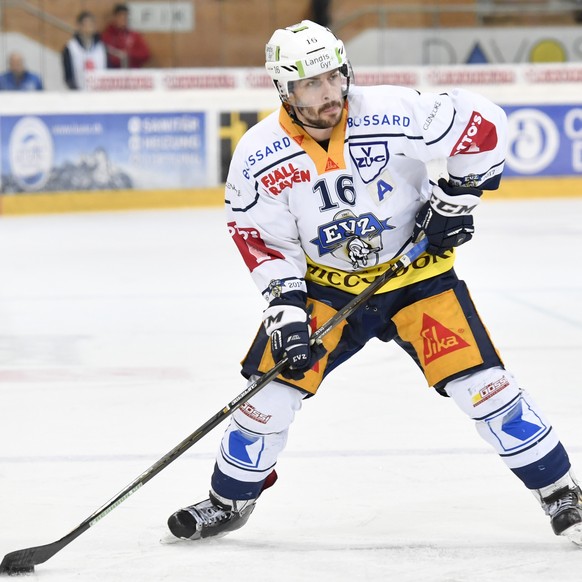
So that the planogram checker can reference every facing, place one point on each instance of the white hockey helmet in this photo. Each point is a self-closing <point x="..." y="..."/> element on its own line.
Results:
<point x="301" y="51"/>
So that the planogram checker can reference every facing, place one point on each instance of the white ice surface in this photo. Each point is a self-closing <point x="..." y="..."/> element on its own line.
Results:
<point x="121" y="333"/>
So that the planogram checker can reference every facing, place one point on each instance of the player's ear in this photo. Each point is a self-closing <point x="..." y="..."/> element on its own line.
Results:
<point x="291" y="99"/>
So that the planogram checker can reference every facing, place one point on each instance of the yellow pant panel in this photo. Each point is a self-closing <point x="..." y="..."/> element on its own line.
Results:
<point x="310" y="383"/>
<point x="440" y="334"/>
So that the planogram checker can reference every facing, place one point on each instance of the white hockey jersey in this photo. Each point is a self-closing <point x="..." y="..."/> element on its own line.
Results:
<point x="339" y="216"/>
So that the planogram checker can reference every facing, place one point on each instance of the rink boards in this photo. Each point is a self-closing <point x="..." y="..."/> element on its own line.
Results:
<point x="118" y="150"/>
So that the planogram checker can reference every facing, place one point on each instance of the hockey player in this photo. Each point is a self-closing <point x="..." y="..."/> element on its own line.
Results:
<point x="321" y="197"/>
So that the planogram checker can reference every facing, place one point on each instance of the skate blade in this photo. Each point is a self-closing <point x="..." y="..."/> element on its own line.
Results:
<point x="170" y="540"/>
<point x="574" y="534"/>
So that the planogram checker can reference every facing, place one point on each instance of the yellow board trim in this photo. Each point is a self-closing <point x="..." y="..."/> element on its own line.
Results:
<point x="539" y="187"/>
<point x="56" y="202"/>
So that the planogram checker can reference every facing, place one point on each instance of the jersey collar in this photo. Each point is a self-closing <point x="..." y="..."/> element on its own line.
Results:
<point x="325" y="161"/>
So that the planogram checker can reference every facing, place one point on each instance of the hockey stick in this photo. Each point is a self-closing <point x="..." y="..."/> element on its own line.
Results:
<point x="23" y="561"/>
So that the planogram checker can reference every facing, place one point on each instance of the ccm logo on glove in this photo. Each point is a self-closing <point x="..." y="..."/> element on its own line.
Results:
<point x="446" y="219"/>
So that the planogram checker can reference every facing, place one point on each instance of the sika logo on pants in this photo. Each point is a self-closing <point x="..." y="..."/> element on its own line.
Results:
<point x="438" y="330"/>
<point x="438" y="340"/>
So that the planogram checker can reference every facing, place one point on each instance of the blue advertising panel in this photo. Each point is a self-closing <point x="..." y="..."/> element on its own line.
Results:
<point x="544" y="140"/>
<point x="76" y="152"/>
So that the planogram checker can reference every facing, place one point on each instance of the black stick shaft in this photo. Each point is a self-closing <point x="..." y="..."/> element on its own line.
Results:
<point x="29" y="557"/>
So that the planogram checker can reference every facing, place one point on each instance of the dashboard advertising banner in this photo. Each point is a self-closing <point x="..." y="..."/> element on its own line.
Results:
<point x="544" y="140"/>
<point x="77" y="152"/>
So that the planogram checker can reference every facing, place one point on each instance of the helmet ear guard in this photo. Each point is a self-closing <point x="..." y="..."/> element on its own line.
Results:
<point x="302" y="51"/>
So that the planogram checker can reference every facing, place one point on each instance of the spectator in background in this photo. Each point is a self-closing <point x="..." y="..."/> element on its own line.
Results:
<point x="17" y="78"/>
<point x="84" y="52"/>
<point x="320" y="10"/>
<point x="126" y="49"/>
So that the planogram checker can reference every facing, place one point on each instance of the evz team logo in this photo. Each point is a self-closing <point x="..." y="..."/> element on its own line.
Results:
<point x="370" y="158"/>
<point x="356" y="238"/>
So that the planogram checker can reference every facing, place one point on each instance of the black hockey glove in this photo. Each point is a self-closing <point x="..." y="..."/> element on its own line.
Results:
<point x="446" y="219"/>
<point x="287" y="324"/>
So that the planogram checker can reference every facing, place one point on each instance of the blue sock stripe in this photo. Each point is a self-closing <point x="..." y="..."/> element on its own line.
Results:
<point x="230" y="488"/>
<point x="546" y="470"/>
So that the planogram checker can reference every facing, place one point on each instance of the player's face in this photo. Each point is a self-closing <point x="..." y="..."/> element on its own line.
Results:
<point x="87" y="26"/>
<point x="318" y="100"/>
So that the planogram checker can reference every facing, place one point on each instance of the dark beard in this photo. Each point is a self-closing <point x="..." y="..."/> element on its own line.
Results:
<point x="316" y="122"/>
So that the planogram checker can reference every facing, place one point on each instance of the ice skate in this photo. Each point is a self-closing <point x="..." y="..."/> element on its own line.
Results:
<point x="213" y="517"/>
<point x="565" y="510"/>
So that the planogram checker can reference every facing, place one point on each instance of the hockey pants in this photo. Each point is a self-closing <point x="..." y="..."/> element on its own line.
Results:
<point x="436" y="323"/>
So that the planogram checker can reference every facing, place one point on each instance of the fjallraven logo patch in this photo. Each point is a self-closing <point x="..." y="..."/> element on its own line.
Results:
<point x="284" y="177"/>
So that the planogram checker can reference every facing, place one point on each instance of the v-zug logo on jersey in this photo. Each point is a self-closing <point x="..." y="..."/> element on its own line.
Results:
<point x="370" y="158"/>
<point x="355" y="238"/>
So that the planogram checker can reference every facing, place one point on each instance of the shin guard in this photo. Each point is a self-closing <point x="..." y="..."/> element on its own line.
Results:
<point x="252" y="442"/>
<point x="512" y="423"/>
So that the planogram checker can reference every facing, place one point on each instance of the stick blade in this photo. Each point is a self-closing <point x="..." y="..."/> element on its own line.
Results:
<point x="16" y="563"/>
<point x="16" y="571"/>
<point x="24" y="561"/>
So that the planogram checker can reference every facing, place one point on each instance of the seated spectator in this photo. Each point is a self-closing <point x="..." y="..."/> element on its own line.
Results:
<point x="126" y="49"/>
<point x="17" y="78"/>
<point x="320" y="11"/>
<point x="84" y="52"/>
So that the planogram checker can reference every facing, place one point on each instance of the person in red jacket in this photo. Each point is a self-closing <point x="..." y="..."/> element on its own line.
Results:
<point x="126" y="49"/>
